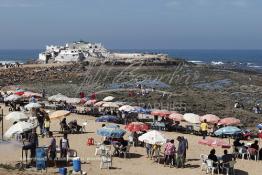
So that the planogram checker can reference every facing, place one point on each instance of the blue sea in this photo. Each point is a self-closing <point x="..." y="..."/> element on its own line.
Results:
<point x="244" y="58"/>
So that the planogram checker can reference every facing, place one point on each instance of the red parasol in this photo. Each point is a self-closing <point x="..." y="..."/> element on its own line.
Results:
<point x="136" y="126"/>
<point x="229" y="121"/>
<point x="210" y="118"/>
<point x="161" y="113"/>
<point x="176" y="117"/>
<point x="214" y="142"/>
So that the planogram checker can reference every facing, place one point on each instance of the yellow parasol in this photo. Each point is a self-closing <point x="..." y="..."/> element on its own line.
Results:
<point x="59" y="114"/>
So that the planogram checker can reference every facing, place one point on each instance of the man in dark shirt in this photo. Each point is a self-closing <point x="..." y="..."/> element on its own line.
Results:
<point x="212" y="155"/>
<point x="255" y="145"/>
<point x="227" y="157"/>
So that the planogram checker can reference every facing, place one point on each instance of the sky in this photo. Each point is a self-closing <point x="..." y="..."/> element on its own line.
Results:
<point x="132" y="24"/>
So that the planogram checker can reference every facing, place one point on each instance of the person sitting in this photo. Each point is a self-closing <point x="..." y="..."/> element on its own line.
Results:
<point x="227" y="157"/>
<point x="237" y="144"/>
<point x="123" y="145"/>
<point x="106" y="141"/>
<point x="212" y="156"/>
<point x="255" y="145"/>
<point x="73" y="126"/>
<point x="64" y="126"/>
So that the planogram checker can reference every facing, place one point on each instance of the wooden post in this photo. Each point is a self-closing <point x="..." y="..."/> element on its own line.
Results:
<point x="2" y="115"/>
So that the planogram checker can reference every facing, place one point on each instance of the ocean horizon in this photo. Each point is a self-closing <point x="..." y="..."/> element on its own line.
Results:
<point x="249" y="58"/>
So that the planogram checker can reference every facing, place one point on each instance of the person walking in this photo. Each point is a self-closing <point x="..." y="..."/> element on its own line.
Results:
<point x="64" y="146"/>
<point x="169" y="152"/>
<point x="52" y="147"/>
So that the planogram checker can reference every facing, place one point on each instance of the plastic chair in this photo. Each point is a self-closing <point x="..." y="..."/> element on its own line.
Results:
<point x="252" y="152"/>
<point x="211" y="167"/>
<point x="131" y="140"/>
<point x="84" y="126"/>
<point x="229" y="166"/>
<point x="106" y="160"/>
<point x="125" y="151"/>
<point x="97" y="148"/>
<point x="203" y="159"/>
<point x="71" y="154"/>
<point x="105" y="149"/>
<point x="242" y="151"/>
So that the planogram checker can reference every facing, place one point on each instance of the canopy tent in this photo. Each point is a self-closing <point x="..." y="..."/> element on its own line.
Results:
<point x="192" y="118"/>
<point x="153" y="137"/>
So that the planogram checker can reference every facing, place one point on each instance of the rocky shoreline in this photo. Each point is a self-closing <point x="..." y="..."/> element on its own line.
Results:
<point x="178" y="85"/>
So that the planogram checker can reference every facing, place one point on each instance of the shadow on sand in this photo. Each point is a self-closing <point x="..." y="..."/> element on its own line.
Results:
<point x="240" y="172"/>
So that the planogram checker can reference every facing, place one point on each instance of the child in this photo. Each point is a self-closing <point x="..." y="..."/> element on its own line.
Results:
<point x="47" y="125"/>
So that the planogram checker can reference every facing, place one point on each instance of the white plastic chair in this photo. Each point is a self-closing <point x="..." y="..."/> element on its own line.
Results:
<point x="203" y="159"/>
<point x="242" y="151"/>
<point x="252" y="152"/>
<point x="106" y="161"/>
<point x="131" y="140"/>
<point x="97" y="150"/>
<point x="229" y="166"/>
<point x="84" y="126"/>
<point x="71" y="154"/>
<point x="210" y="167"/>
<point x="126" y="151"/>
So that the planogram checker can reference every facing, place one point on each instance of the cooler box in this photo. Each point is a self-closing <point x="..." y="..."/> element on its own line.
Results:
<point x="63" y="171"/>
<point x="76" y="164"/>
<point x="40" y="158"/>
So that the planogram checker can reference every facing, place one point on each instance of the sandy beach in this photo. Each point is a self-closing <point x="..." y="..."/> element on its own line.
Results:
<point x="136" y="164"/>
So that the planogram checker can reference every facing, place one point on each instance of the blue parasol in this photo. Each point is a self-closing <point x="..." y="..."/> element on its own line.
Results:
<point x="229" y="130"/>
<point x="108" y="131"/>
<point x="259" y="126"/>
<point x="108" y="118"/>
<point x="141" y="110"/>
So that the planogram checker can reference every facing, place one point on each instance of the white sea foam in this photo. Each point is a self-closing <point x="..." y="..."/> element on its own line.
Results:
<point x="196" y="62"/>
<point x="217" y="63"/>
<point x="9" y="62"/>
